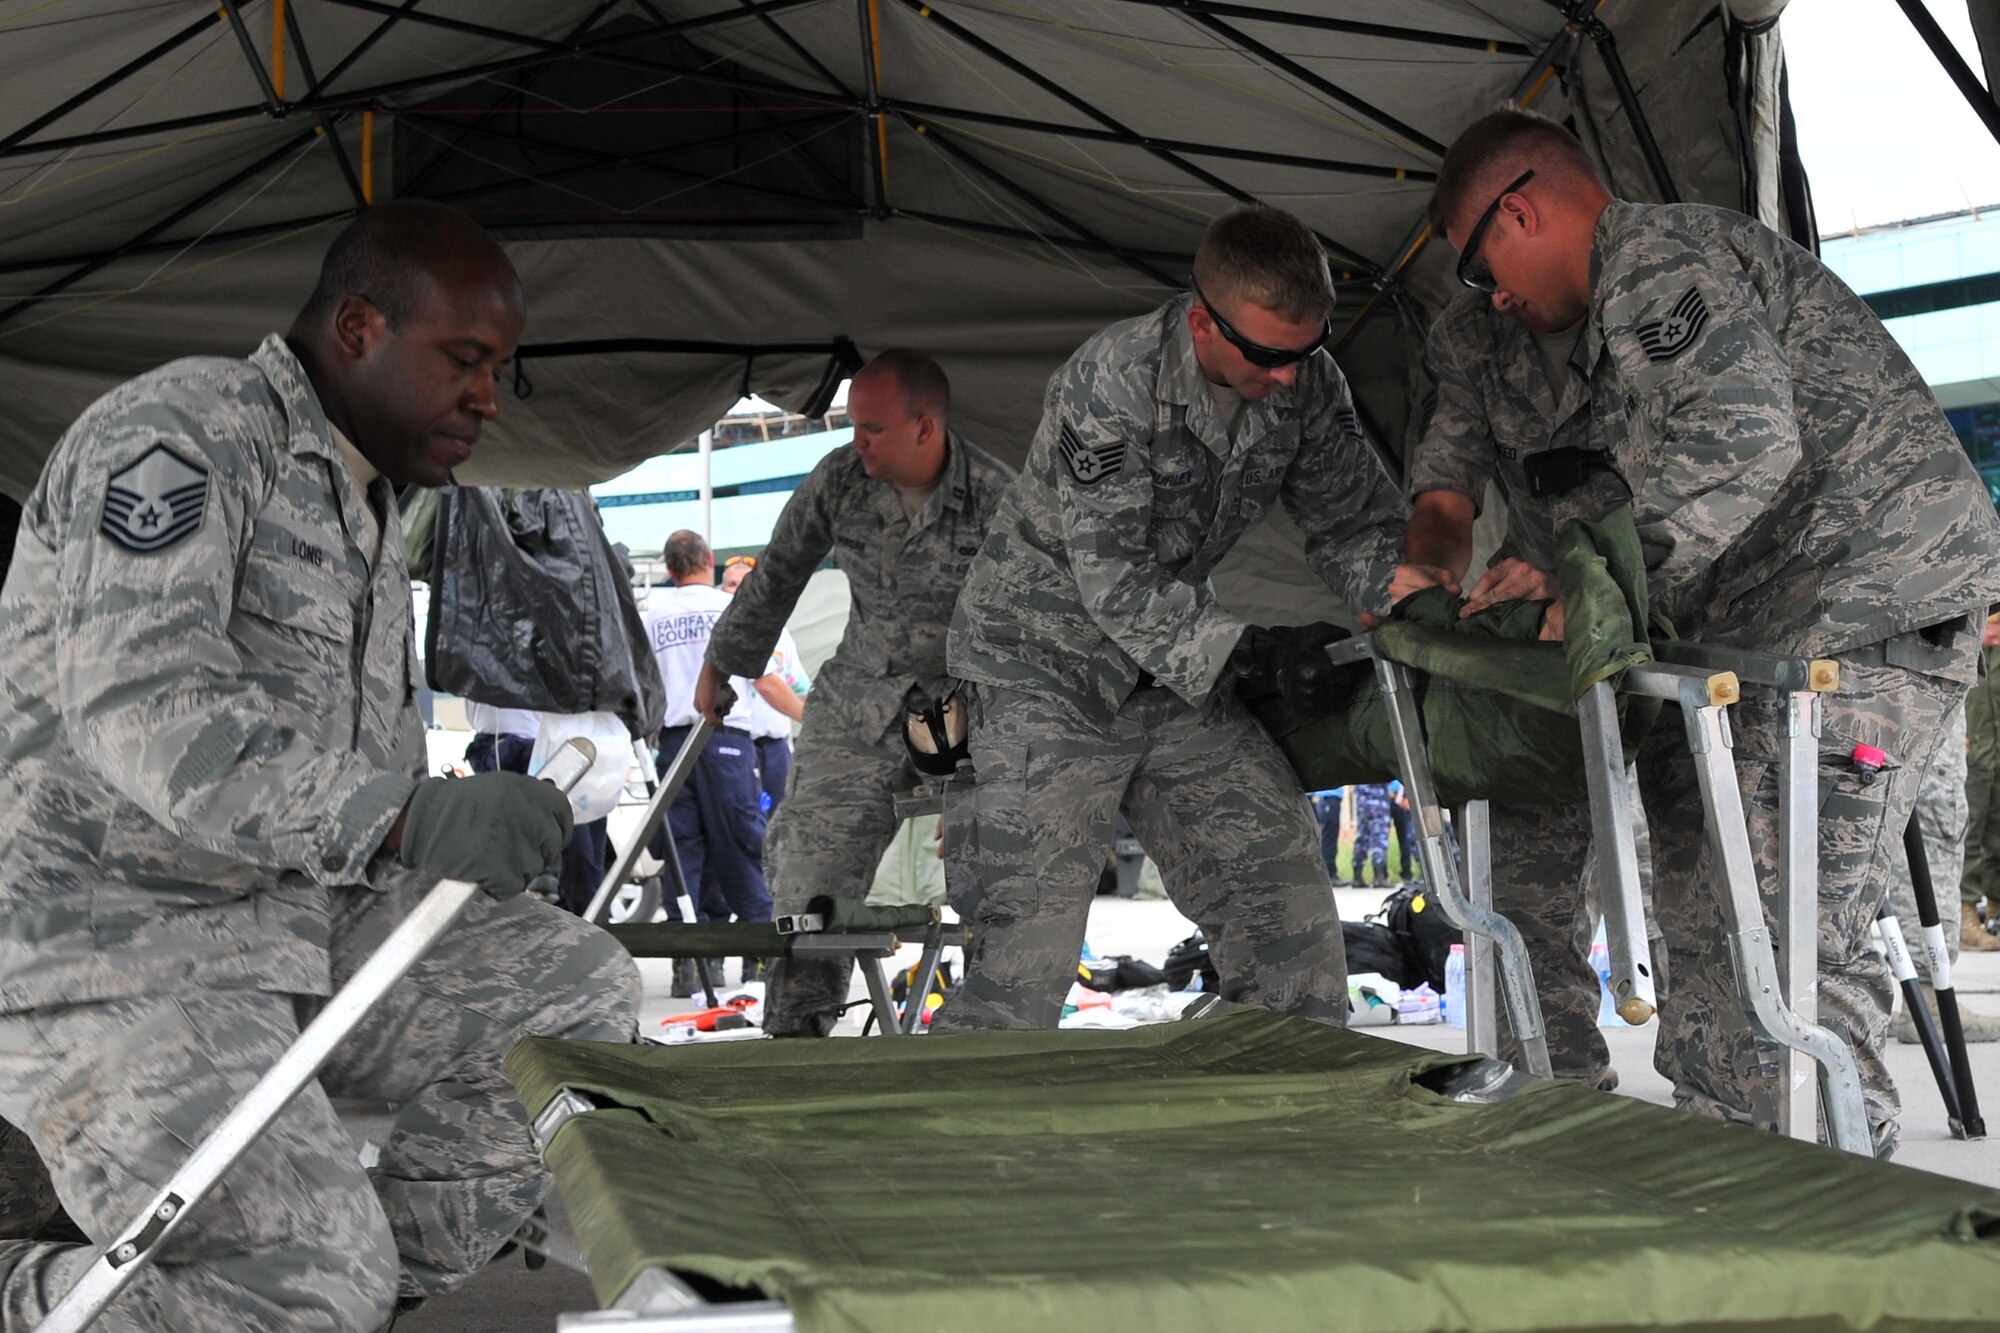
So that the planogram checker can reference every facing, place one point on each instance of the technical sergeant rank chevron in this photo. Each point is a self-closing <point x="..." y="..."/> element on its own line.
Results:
<point x="1090" y="466"/>
<point x="155" y="502"/>
<point x="1666" y="338"/>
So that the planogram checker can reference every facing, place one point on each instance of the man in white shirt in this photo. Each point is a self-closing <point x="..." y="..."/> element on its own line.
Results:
<point x="777" y="705"/>
<point x="717" y="819"/>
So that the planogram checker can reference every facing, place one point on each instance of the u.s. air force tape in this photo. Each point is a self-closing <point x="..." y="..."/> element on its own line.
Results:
<point x="155" y="502"/>
<point x="1089" y="464"/>
<point x="1672" y="334"/>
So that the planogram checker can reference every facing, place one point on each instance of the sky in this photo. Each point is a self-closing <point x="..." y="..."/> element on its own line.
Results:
<point x="1884" y="133"/>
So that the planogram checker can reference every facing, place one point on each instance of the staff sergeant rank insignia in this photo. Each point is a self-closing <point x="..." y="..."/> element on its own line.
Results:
<point x="1669" y="337"/>
<point x="155" y="502"/>
<point x="1090" y="466"/>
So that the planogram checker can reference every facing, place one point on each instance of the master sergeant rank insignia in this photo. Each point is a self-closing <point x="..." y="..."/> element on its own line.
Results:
<point x="1089" y="466"/>
<point x="1666" y="338"/>
<point x="155" y="502"/>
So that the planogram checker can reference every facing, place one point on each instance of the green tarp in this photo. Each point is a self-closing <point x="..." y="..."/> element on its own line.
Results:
<point x="1498" y="706"/>
<point x="1249" y="1172"/>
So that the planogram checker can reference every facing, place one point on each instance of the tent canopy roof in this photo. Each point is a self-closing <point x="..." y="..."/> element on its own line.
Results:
<point x="710" y="197"/>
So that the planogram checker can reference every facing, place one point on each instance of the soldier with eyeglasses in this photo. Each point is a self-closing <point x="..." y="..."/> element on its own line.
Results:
<point x="1102" y="656"/>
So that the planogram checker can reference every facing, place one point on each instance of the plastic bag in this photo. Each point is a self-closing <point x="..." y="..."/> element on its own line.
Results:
<point x="530" y="609"/>
<point x="598" y="791"/>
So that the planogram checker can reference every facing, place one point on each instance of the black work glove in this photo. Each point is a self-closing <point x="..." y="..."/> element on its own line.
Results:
<point x="499" y="830"/>
<point x="1288" y="665"/>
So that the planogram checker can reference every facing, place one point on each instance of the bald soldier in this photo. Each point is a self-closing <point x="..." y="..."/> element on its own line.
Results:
<point x="212" y="810"/>
<point x="1798" y="491"/>
<point x="1102" y="656"/>
<point x="902" y="512"/>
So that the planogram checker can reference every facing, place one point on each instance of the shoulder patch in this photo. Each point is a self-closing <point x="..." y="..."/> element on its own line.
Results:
<point x="155" y="502"/>
<point x="1089" y="466"/>
<point x="1667" y="337"/>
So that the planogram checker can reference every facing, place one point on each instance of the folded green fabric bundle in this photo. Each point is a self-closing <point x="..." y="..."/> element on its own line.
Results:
<point x="1498" y="705"/>
<point x="1251" y="1172"/>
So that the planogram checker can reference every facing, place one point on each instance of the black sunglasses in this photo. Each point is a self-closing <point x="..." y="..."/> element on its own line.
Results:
<point x="1257" y="354"/>
<point x="1481" y="279"/>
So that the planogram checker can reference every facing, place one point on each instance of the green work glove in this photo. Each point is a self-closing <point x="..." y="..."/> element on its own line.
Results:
<point x="499" y="830"/>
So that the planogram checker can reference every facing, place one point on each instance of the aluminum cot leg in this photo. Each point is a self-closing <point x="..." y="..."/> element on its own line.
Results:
<point x="1524" y="1010"/>
<point x="1703" y="695"/>
<point x="1618" y="853"/>
<point x="1474" y="826"/>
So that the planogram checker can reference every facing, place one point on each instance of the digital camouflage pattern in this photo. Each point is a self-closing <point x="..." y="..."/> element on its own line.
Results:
<point x="189" y="758"/>
<point x="1213" y="801"/>
<point x="1096" y="569"/>
<point x="1095" y="574"/>
<point x="1539" y="858"/>
<point x="1794" y="481"/>
<point x="1799" y="492"/>
<point x="1980" y="877"/>
<point x="828" y="837"/>
<point x="1496" y="410"/>
<point x="1371" y="830"/>
<point x="203" y="740"/>
<point x="904" y="576"/>
<point x="1941" y="817"/>
<point x="1705" y="1046"/>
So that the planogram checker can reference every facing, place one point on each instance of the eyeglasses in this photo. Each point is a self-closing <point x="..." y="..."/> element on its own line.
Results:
<point x="1257" y="354"/>
<point x="747" y="561"/>
<point x="1480" y="278"/>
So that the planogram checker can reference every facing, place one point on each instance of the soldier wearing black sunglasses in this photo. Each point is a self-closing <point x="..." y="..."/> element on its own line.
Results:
<point x="1103" y="656"/>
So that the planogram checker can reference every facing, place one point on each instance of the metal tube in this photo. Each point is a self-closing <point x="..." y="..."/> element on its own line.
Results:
<point x="663" y="797"/>
<point x="1524" y="1010"/>
<point x="1798" y="903"/>
<point x="1635" y="115"/>
<point x="1482" y="1014"/>
<point x="1954" y="64"/>
<point x="1890" y="932"/>
<point x="1617" y="856"/>
<point x="917" y="995"/>
<point x="1973" y="1123"/>
<point x="190" y="1184"/>
<point x="1749" y="941"/>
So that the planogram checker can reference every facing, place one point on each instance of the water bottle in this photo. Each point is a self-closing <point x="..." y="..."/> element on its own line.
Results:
<point x="1454" y="987"/>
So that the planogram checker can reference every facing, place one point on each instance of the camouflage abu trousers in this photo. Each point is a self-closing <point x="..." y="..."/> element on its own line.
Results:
<point x="1539" y="856"/>
<point x="297" y="1236"/>
<point x="1216" y="807"/>
<point x="1705" y="1047"/>
<point x="828" y="836"/>
<point x="1942" y="818"/>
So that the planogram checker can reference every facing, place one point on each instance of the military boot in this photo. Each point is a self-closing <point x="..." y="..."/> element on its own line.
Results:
<point x="1973" y="936"/>
<point x="1978" y="1026"/>
<point x="686" y="981"/>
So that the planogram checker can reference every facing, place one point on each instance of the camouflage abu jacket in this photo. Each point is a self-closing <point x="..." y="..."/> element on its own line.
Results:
<point x="206" y="693"/>
<point x="903" y="577"/>
<point x="1796" y="485"/>
<point x="1097" y="566"/>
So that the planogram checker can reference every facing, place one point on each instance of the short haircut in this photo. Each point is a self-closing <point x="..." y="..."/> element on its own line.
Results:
<point x="1269" y="258"/>
<point x="686" y="552"/>
<point x="389" y="256"/>
<point x="1496" y="148"/>
<point x="921" y="381"/>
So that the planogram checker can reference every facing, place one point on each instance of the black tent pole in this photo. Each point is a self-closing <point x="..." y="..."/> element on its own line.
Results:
<point x="1954" y="64"/>
<point x="1582" y="16"/>
<point x="1907" y="981"/>
<point x="1973" y="1126"/>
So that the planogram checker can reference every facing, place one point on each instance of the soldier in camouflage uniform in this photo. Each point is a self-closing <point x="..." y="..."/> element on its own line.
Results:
<point x="1102" y="655"/>
<point x="1371" y="831"/>
<point x="1799" y="492"/>
<point x="212" y="811"/>
<point x="1507" y="399"/>
<point x="903" y="512"/>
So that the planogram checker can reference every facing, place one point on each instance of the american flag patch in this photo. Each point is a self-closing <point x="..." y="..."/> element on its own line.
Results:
<point x="1670" y="336"/>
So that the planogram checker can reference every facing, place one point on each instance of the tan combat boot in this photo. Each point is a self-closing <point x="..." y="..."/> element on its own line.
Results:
<point x="1973" y="936"/>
